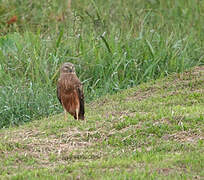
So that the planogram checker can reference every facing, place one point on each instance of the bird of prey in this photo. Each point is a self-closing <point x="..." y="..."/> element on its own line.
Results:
<point x="70" y="92"/>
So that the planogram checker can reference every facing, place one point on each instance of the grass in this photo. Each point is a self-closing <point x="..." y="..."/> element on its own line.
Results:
<point x="152" y="131"/>
<point x="114" y="44"/>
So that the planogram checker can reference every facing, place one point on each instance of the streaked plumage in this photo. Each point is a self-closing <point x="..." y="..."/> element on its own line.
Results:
<point x="70" y="91"/>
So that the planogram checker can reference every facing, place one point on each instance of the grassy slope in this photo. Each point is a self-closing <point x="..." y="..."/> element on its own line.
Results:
<point x="114" y="45"/>
<point x="155" y="130"/>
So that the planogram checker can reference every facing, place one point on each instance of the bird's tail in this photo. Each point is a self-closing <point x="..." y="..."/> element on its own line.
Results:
<point x="81" y="117"/>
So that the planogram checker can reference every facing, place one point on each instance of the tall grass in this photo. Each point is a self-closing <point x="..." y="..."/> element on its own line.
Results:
<point x="114" y="45"/>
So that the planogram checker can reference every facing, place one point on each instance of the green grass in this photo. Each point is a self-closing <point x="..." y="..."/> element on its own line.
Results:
<point x="152" y="131"/>
<point x="114" y="44"/>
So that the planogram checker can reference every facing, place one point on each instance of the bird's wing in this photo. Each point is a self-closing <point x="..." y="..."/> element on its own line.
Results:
<point x="81" y="100"/>
<point x="59" y="91"/>
<point x="80" y="93"/>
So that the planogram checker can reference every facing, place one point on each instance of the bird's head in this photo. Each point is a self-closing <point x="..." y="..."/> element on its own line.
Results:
<point x="67" y="68"/>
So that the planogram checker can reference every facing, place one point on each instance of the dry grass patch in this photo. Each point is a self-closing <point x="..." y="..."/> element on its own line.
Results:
<point x="34" y="143"/>
<point x="185" y="137"/>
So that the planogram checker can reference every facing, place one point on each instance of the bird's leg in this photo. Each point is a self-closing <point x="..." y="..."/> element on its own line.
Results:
<point x="77" y="114"/>
<point x="65" y="115"/>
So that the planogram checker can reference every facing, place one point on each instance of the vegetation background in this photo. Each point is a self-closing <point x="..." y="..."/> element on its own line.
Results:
<point x="115" y="44"/>
<point x="145" y="98"/>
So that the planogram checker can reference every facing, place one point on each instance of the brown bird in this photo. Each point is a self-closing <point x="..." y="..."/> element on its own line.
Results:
<point x="70" y="91"/>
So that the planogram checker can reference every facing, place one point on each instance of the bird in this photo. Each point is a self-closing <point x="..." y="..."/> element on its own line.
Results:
<point x="70" y="92"/>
